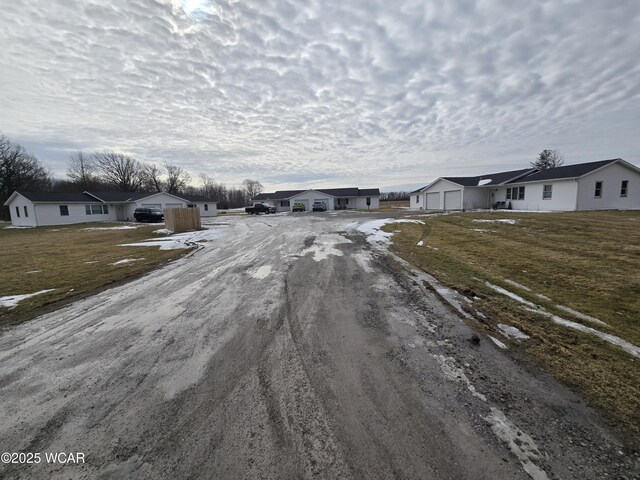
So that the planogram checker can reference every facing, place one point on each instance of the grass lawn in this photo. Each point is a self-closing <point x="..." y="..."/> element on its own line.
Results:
<point x="588" y="261"/>
<point x="391" y="206"/>
<point x="71" y="260"/>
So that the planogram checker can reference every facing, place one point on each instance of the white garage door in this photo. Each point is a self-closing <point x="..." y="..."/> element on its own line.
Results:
<point x="433" y="201"/>
<point x="173" y="205"/>
<point x="452" y="200"/>
<point x="304" y="202"/>
<point x="151" y="205"/>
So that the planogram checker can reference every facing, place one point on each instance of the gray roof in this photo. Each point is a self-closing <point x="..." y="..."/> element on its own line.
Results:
<point x="197" y="198"/>
<point x="497" y="178"/>
<point x="120" y="196"/>
<point x="71" y="197"/>
<point x="566" y="171"/>
<point x="334" y="192"/>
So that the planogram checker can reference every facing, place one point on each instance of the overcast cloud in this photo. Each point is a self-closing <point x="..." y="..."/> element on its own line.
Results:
<point x="323" y="93"/>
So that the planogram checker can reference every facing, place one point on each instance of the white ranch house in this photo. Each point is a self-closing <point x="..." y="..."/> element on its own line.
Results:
<point x="334" y="198"/>
<point x="603" y="185"/>
<point x="35" y="209"/>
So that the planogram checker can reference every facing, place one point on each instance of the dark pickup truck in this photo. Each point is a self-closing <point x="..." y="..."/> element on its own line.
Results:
<point x="148" y="215"/>
<point x="259" y="208"/>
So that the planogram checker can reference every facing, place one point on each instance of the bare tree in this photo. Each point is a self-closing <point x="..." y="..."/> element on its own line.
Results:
<point x="119" y="170"/>
<point x="548" y="159"/>
<point x="153" y="179"/>
<point x="80" y="169"/>
<point x="177" y="178"/>
<point x="19" y="170"/>
<point x="252" y="187"/>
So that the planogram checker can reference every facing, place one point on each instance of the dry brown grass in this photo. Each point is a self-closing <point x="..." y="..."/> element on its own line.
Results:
<point x="58" y="257"/>
<point x="588" y="261"/>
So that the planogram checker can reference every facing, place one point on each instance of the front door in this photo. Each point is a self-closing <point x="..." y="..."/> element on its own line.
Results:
<point x="120" y="213"/>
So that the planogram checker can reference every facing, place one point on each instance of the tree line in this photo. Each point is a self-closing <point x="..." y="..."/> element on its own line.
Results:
<point x="108" y="171"/>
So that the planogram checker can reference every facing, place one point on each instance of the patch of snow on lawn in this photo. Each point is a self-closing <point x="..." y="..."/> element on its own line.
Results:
<point x="420" y="243"/>
<point x="513" y="332"/>
<point x="92" y="261"/>
<point x="509" y="294"/>
<point x="123" y="227"/>
<point x="127" y="260"/>
<point x="516" y="284"/>
<point x="181" y="240"/>
<point x="324" y="246"/>
<point x="261" y="272"/>
<point x="498" y="342"/>
<point x="520" y="443"/>
<point x="580" y="315"/>
<point x="607" y="337"/>
<point x="373" y="229"/>
<point x="163" y="231"/>
<point x="480" y="230"/>
<point x="543" y="297"/>
<point x="12" y="301"/>
<point x="15" y="226"/>
<point x="501" y="220"/>
<point x="34" y="271"/>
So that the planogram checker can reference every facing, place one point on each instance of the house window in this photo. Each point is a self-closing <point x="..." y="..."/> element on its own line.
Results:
<point x="26" y="212"/>
<point x="546" y="191"/>
<point x="623" y="188"/>
<point x="417" y="198"/>
<point x="285" y="203"/>
<point x="520" y="193"/>
<point x="96" y="209"/>
<point x="206" y="207"/>
<point x="18" y="211"/>
<point x="64" y="210"/>
<point x="598" y="192"/>
<point x="508" y="194"/>
<point x="191" y="205"/>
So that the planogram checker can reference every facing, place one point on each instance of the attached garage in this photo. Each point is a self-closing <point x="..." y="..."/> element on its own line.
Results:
<point x="173" y="205"/>
<point x="453" y="200"/>
<point x="302" y="201"/>
<point x="151" y="205"/>
<point x="433" y="201"/>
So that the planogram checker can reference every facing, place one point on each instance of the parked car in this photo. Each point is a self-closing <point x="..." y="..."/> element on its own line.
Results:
<point x="153" y="215"/>
<point x="298" y="207"/>
<point x="259" y="208"/>
<point x="319" y="207"/>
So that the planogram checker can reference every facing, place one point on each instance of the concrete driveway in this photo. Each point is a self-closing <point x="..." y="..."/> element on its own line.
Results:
<point x="286" y="348"/>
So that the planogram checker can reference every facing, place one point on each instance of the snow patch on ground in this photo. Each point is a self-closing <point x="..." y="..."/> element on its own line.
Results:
<point x="180" y="240"/>
<point x="510" y="221"/>
<point x="420" y="243"/>
<point x="373" y="229"/>
<point x="543" y="297"/>
<point x="480" y="230"/>
<point x="513" y="332"/>
<point x="261" y="272"/>
<point x="34" y="271"/>
<point x="127" y="260"/>
<point x="509" y="294"/>
<point x="498" y="342"/>
<point x="15" y="226"/>
<point x="516" y="284"/>
<point x="163" y="231"/>
<point x="455" y="373"/>
<point x="580" y="315"/>
<point x="520" y="443"/>
<point x="92" y="261"/>
<point x="363" y="259"/>
<point x="325" y="245"/>
<point x="11" y="301"/>
<point x="123" y="227"/>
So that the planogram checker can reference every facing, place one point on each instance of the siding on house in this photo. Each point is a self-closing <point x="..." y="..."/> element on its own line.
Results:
<point x="563" y="196"/>
<point x="474" y="198"/>
<point x="22" y="221"/>
<point x="611" y="178"/>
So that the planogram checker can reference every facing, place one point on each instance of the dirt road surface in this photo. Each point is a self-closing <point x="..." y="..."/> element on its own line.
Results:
<point x="289" y="347"/>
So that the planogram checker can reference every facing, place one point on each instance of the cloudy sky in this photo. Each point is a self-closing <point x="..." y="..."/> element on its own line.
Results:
<point x="300" y="93"/>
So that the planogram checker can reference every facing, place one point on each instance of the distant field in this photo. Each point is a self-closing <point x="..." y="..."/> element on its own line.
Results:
<point x="587" y="261"/>
<point x="70" y="261"/>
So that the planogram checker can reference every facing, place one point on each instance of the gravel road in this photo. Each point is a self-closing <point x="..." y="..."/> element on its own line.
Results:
<point x="289" y="347"/>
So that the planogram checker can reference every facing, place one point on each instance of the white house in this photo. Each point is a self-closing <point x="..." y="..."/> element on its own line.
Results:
<point x="334" y="198"/>
<point x="34" y="209"/>
<point x="602" y="185"/>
